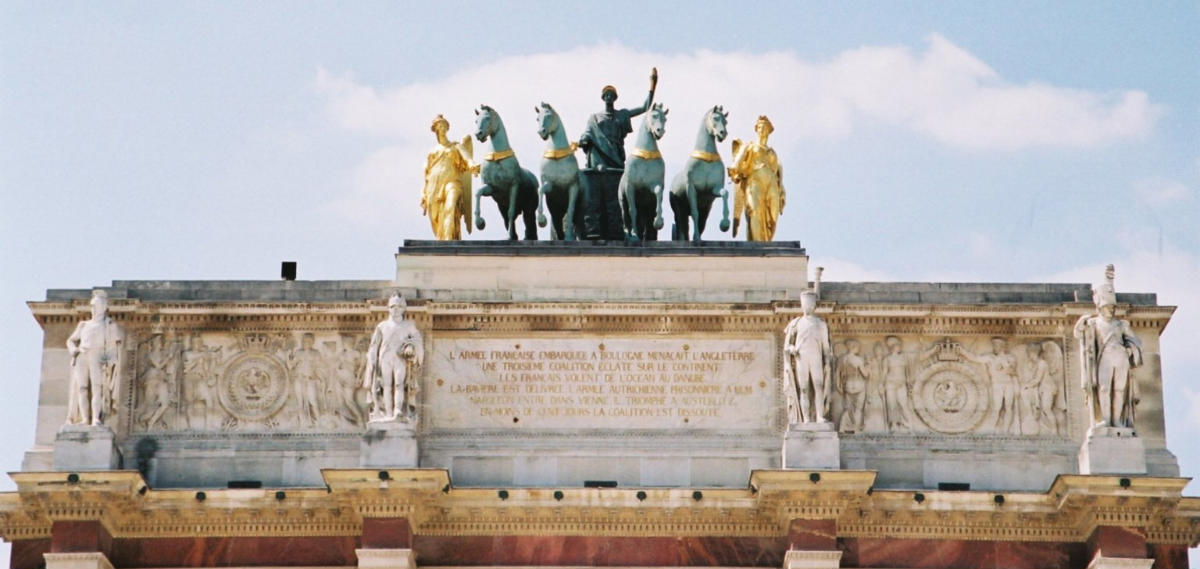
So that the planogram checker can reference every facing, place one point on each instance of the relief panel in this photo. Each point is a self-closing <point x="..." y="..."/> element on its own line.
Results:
<point x="1004" y="386"/>
<point x="289" y="381"/>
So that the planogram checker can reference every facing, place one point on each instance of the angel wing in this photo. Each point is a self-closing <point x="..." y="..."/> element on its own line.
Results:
<point x="464" y="180"/>
<point x="468" y="146"/>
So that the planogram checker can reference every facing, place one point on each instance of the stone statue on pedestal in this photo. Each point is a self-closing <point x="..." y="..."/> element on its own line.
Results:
<point x="397" y="351"/>
<point x="604" y="143"/>
<point x="1108" y="351"/>
<point x="95" y="348"/>
<point x="807" y="363"/>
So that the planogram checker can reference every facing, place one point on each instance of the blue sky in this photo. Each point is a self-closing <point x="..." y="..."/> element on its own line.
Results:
<point x="1013" y="141"/>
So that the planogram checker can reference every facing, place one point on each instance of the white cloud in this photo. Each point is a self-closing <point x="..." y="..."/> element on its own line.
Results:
<point x="1160" y="191"/>
<point x="943" y="92"/>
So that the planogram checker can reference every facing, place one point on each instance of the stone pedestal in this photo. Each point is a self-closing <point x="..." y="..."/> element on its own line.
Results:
<point x="386" y="558"/>
<point x="86" y="447"/>
<point x="389" y="445"/>
<point x="1112" y="450"/>
<point x="812" y="446"/>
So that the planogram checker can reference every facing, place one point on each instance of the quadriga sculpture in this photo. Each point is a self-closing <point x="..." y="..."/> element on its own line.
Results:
<point x="640" y="190"/>
<point x="514" y="189"/>
<point x="701" y="181"/>
<point x="560" y="176"/>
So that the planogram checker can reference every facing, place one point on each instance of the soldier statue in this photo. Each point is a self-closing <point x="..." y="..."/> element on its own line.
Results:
<point x="807" y="363"/>
<point x="1108" y="352"/>
<point x="396" y="352"/>
<point x="95" y="350"/>
<point x="604" y="143"/>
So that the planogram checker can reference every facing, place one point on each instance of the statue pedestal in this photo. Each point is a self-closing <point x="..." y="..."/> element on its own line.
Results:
<point x="86" y="447"/>
<point x="812" y="446"/>
<point x="1112" y="450"/>
<point x="389" y="445"/>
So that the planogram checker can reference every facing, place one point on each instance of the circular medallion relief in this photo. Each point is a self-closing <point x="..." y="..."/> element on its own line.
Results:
<point x="948" y="399"/>
<point x="254" y="386"/>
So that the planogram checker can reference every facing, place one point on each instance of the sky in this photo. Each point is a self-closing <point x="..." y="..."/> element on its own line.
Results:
<point x="1000" y="142"/>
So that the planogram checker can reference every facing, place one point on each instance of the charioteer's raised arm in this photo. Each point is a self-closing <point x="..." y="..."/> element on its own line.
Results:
<point x="649" y="96"/>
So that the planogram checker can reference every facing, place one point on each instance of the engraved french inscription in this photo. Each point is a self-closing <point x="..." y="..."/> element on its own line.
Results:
<point x="602" y="383"/>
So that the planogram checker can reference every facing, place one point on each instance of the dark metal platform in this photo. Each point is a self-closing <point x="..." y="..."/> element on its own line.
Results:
<point x="605" y="248"/>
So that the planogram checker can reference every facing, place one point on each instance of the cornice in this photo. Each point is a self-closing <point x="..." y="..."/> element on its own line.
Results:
<point x="603" y="317"/>
<point x="1069" y="512"/>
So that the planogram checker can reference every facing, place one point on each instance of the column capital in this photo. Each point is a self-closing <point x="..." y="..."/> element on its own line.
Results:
<point x="796" y="559"/>
<point x="78" y="560"/>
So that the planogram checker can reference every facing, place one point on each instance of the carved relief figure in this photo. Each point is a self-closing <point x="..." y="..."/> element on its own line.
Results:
<point x="95" y="349"/>
<point x="807" y="362"/>
<point x="158" y="380"/>
<point x="200" y="365"/>
<point x="1034" y="373"/>
<point x="346" y="388"/>
<point x="1002" y="373"/>
<point x="307" y="380"/>
<point x="397" y="350"/>
<point x="874" y="407"/>
<point x="1108" y="351"/>
<point x="853" y="374"/>
<point x="446" y="197"/>
<point x="1051" y="400"/>
<point x="758" y="184"/>
<point x="895" y="383"/>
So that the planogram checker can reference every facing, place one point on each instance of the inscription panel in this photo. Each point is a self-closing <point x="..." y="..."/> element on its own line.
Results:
<point x="616" y="383"/>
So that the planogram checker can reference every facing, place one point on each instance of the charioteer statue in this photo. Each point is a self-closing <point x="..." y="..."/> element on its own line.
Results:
<point x="604" y="143"/>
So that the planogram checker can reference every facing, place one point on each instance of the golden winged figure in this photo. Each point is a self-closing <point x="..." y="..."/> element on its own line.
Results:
<point x="446" y="196"/>
<point x="758" y="184"/>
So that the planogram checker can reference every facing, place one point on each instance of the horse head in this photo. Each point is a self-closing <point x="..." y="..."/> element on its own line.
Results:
<point x="656" y="121"/>
<point x="486" y="122"/>
<point x="547" y="120"/>
<point x="715" y="122"/>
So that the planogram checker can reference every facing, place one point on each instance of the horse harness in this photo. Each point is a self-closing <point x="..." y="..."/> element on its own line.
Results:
<point x="497" y="156"/>
<point x="560" y="153"/>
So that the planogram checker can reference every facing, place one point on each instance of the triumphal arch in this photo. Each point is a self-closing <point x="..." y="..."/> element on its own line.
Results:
<point x="601" y="397"/>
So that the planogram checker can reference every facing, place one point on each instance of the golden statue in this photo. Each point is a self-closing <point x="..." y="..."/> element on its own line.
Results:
<point x="758" y="184"/>
<point x="446" y="198"/>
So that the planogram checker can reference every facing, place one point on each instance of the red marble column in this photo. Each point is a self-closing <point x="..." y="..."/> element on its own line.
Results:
<point x="812" y="544"/>
<point x="1114" y="541"/>
<point x="386" y="533"/>
<point x="79" y="537"/>
<point x="1169" y="556"/>
<point x="813" y="535"/>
